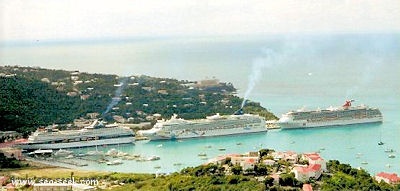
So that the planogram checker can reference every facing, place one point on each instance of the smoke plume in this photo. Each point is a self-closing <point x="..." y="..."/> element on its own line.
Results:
<point x="256" y="71"/>
<point x="117" y="95"/>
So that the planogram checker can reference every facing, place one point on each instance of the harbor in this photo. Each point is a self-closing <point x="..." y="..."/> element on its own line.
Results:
<point x="74" y="158"/>
<point x="166" y="156"/>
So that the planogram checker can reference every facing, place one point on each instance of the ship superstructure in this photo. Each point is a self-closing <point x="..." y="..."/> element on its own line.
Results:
<point x="332" y="116"/>
<point x="92" y="135"/>
<point x="216" y="125"/>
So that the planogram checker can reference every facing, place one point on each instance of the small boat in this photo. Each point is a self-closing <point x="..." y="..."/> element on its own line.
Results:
<point x="95" y="153"/>
<point x="389" y="150"/>
<point x="177" y="164"/>
<point x="208" y="146"/>
<point x="136" y="155"/>
<point x="157" y="167"/>
<point x="391" y="156"/>
<point x="81" y="155"/>
<point x="142" y="140"/>
<point x="112" y="152"/>
<point x="102" y="161"/>
<point x="129" y="157"/>
<point x="115" y="162"/>
<point x="141" y="159"/>
<point x="69" y="157"/>
<point x="160" y="145"/>
<point x="62" y="153"/>
<point x="202" y="154"/>
<point x="238" y="143"/>
<point x="364" y="162"/>
<point x="381" y="143"/>
<point x="221" y="149"/>
<point x="31" y="154"/>
<point x="122" y="154"/>
<point x="154" y="157"/>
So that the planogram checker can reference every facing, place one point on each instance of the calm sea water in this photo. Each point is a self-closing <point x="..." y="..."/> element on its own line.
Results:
<point x="289" y="72"/>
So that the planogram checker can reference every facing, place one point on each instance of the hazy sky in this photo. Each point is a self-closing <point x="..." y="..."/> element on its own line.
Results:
<point x="77" y="19"/>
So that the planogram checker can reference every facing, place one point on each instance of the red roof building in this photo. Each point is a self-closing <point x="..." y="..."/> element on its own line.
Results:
<point x="10" y="187"/>
<point x="315" y="158"/>
<point x="304" y="173"/>
<point x="390" y="178"/>
<point x="3" y="180"/>
<point x="307" y="187"/>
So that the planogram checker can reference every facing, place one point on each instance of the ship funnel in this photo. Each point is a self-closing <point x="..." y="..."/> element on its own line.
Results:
<point x="348" y="103"/>
<point x="239" y="112"/>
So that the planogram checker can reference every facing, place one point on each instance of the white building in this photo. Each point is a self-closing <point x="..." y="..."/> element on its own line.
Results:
<point x="245" y="162"/>
<point x="303" y="173"/>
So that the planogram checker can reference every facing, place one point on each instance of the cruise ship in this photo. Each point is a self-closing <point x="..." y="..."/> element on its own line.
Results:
<point x="216" y="125"/>
<point x="92" y="135"/>
<point x="332" y="116"/>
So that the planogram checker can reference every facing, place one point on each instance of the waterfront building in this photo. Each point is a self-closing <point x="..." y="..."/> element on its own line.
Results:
<point x="289" y="156"/>
<point x="304" y="173"/>
<point x="315" y="158"/>
<point x="246" y="162"/>
<point x="390" y="178"/>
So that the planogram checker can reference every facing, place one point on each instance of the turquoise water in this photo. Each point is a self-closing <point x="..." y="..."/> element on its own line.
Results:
<point x="297" y="71"/>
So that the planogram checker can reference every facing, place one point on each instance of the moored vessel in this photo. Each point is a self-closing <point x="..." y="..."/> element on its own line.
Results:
<point x="93" y="135"/>
<point x="216" y="125"/>
<point x="332" y="116"/>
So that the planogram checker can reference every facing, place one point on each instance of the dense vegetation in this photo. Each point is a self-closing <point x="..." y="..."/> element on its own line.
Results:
<point x="32" y="97"/>
<point x="219" y="177"/>
<point x="28" y="103"/>
<point x="213" y="177"/>
<point x="10" y="162"/>
<point x="344" y="177"/>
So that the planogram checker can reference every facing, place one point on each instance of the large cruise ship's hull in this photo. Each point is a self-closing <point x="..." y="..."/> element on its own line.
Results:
<point x="305" y="124"/>
<point x="90" y="143"/>
<point x="209" y="133"/>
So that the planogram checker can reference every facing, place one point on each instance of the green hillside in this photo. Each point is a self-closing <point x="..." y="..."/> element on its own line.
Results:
<point x="32" y="97"/>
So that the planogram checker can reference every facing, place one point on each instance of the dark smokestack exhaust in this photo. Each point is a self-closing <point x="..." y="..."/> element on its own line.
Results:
<point x="239" y="112"/>
<point x="117" y="95"/>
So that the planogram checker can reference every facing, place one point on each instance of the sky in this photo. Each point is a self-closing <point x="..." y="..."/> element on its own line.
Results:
<point x="93" y="19"/>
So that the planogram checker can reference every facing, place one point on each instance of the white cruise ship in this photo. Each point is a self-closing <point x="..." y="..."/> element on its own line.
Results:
<point x="344" y="115"/>
<point x="216" y="125"/>
<point x="89" y="136"/>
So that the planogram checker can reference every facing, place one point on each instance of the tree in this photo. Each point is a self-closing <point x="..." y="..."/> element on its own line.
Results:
<point x="287" y="180"/>
<point x="269" y="181"/>
<point x="263" y="152"/>
<point x="261" y="169"/>
<point x="237" y="169"/>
